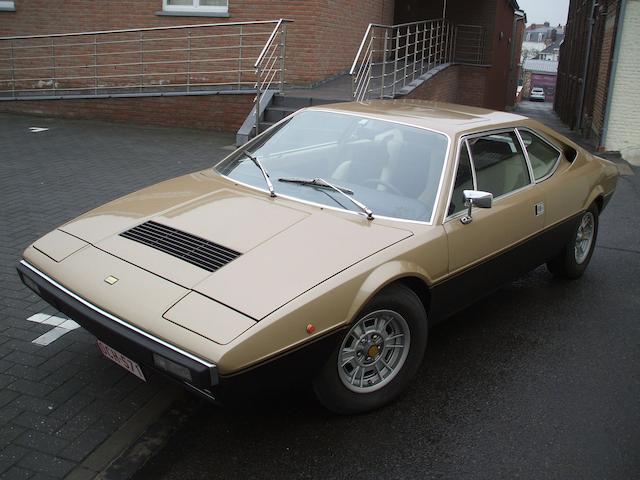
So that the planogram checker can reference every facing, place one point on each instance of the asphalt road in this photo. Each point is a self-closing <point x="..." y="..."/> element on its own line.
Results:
<point x="539" y="380"/>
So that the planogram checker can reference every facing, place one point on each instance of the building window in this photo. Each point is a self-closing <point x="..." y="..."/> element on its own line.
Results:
<point x="7" y="6"/>
<point x="204" y="6"/>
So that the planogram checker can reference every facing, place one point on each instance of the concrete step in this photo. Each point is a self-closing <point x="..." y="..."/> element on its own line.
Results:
<point x="324" y="101"/>
<point x="301" y="102"/>
<point x="275" y="113"/>
<point x="265" y="125"/>
<point x="292" y="102"/>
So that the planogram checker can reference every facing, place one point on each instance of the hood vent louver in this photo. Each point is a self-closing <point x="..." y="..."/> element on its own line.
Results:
<point x="194" y="250"/>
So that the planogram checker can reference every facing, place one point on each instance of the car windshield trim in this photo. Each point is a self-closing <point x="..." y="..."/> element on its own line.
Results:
<point x="437" y="205"/>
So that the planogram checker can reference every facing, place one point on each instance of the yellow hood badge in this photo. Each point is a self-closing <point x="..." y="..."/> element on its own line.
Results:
<point x="111" y="279"/>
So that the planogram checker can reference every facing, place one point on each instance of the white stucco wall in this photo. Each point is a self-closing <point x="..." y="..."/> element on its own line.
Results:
<point x="623" y="129"/>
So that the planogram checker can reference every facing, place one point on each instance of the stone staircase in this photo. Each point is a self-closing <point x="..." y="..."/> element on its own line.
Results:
<point x="276" y="108"/>
<point x="284" y="105"/>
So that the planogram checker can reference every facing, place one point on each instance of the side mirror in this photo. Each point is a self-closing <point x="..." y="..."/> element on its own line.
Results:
<point x="475" y="198"/>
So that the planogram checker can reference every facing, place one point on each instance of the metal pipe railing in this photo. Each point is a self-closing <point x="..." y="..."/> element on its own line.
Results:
<point x="392" y="56"/>
<point x="183" y="58"/>
<point x="269" y="65"/>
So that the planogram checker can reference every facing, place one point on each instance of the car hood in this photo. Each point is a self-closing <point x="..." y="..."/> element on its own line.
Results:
<point x="285" y="247"/>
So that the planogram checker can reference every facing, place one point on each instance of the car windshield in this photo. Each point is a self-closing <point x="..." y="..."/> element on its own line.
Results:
<point x="393" y="169"/>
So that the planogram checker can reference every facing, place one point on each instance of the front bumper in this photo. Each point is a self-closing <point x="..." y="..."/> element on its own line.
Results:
<point x="136" y="344"/>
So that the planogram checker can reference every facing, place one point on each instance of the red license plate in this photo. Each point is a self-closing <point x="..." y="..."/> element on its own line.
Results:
<point x="122" y="360"/>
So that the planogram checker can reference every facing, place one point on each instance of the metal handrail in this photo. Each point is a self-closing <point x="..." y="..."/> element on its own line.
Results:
<point x="390" y="57"/>
<point x="270" y="63"/>
<point x="146" y="29"/>
<point x="192" y="60"/>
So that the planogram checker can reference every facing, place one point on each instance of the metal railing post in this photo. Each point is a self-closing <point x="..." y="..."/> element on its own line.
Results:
<point x="53" y="62"/>
<point x="141" y="61"/>
<point x="240" y="57"/>
<point x="383" y="78"/>
<point x="283" y="54"/>
<point x="13" y="70"/>
<point x="188" y="61"/>
<point x="95" y="65"/>
<point x="258" y="95"/>
<point x="439" y="43"/>
<point x="415" y="54"/>
<point x="430" y="46"/>
<point x="424" y="47"/>
<point x="395" y="62"/>
<point x="406" y="56"/>
<point x="446" y="43"/>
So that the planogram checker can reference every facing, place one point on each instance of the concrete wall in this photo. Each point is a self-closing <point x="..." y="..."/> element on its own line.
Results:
<point x="623" y="129"/>
<point x="322" y="41"/>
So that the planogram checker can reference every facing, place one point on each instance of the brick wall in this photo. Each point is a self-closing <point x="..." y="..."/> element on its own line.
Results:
<point x="500" y="57"/>
<point x="497" y="17"/>
<point x="624" y="118"/>
<point x="600" y="93"/>
<point x="322" y="41"/>
<point x="463" y="84"/>
<point x="466" y="12"/>
<point x="207" y="112"/>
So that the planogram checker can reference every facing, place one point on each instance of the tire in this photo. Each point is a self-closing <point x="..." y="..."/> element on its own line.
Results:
<point x="576" y="254"/>
<point x="380" y="367"/>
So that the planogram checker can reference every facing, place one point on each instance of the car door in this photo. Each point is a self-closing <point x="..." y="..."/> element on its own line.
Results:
<point x="491" y="249"/>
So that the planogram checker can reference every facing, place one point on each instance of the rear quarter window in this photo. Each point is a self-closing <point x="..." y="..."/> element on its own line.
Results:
<point x="542" y="155"/>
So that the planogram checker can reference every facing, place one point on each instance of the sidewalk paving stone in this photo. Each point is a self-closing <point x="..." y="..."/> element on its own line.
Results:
<point x="60" y="402"/>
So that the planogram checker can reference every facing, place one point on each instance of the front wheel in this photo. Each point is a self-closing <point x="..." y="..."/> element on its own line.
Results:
<point x="576" y="254"/>
<point x="378" y="356"/>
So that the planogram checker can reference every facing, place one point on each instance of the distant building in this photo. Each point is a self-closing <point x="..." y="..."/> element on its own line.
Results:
<point x="598" y="86"/>
<point x="539" y="38"/>
<point x="552" y="52"/>
<point x="544" y="33"/>
<point x="540" y="73"/>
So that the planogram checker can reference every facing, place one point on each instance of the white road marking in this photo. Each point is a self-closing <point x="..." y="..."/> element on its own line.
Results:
<point x="38" y="129"/>
<point x="61" y="325"/>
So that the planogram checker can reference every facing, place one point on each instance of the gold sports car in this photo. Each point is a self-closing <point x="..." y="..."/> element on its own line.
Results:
<point x="325" y="248"/>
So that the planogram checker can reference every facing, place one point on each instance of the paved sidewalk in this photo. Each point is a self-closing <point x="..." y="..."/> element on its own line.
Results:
<point x="61" y="401"/>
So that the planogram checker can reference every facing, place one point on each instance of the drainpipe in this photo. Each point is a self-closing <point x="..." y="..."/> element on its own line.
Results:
<point x="518" y="15"/>
<point x="444" y="10"/>
<point x="612" y="76"/>
<point x="585" y="70"/>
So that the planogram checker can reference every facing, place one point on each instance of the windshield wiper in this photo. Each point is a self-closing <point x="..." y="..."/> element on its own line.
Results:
<point x="319" y="182"/>
<point x="258" y="164"/>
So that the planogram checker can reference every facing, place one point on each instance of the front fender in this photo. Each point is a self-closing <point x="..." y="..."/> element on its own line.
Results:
<point x="383" y="276"/>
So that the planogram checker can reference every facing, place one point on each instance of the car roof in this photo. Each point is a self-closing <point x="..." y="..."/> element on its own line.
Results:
<point x="448" y="118"/>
